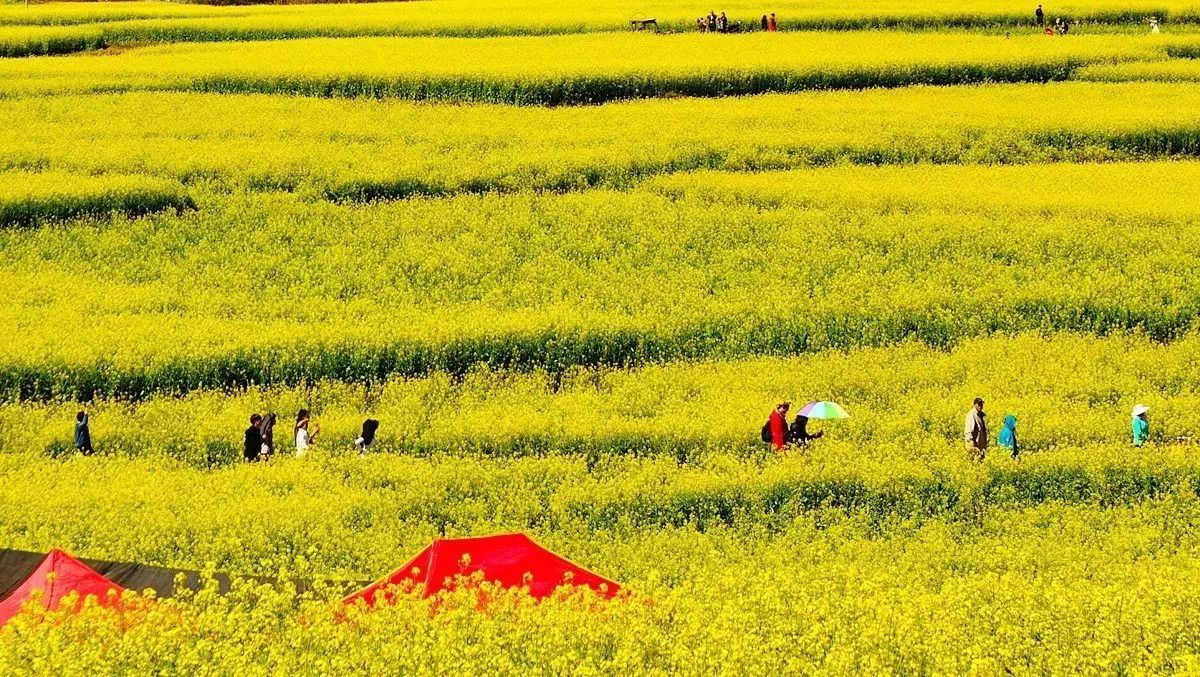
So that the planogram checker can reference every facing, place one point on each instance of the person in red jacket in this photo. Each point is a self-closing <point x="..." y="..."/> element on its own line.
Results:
<point x="779" y="425"/>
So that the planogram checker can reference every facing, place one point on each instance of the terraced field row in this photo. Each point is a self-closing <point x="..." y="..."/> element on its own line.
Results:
<point x="584" y="69"/>
<point x="907" y="402"/>
<point x="63" y="28"/>
<point x="362" y="150"/>
<point x="851" y="257"/>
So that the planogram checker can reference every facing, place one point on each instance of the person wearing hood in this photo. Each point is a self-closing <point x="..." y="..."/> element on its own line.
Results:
<point x="1008" y="436"/>
<point x="975" y="431"/>
<point x="1141" y="425"/>
<point x="799" y="432"/>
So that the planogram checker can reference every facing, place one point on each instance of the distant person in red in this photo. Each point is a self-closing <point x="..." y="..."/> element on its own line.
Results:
<point x="771" y="25"/>
<point x="776" y="429"/>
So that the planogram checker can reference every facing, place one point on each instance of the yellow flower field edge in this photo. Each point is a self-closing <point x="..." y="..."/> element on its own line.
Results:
<point x="550" y="70"/>
<point x="1052" y="588"/>
<point x="33" y="198"/>
<point x="367" y="150"/>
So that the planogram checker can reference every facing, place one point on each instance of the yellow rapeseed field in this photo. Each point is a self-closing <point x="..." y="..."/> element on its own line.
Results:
<point x="570" y="268"/>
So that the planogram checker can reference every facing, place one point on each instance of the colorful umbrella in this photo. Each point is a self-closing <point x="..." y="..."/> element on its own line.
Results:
<point x="824" y="411"/>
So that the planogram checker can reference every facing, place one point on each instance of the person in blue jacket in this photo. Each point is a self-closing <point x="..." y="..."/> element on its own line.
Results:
<point x="1008" y="435"/>
<point x="1141" y="425"/>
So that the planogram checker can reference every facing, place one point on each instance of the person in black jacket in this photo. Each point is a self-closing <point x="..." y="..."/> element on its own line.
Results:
<point x="799" y="434"/>
<point x="254" y="440"/>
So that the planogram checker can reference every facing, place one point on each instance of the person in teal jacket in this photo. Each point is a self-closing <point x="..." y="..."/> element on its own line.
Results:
<point x="1008" y="435"/>
<point x="1141" y="425"/>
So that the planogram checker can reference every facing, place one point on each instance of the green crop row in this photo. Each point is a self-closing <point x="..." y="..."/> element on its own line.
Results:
<point x="29" y="199"/>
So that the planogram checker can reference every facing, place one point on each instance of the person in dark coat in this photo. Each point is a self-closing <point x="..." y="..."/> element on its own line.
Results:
<point x="254" y="440"/>
<point x="764" y="22"/>
<point x="267" y="428"/>
<point x="83" y="435"/>
<point x="1040" y="15"/>
<point x="799" y="432"/>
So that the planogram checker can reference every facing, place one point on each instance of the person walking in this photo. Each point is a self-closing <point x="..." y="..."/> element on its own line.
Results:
<point x="252" y="447"/>
<point x="765" y="23"/>
<point x="1141" y="425"/>
<point x="775" y="430"/>
<point x="367" y="438"/>
<point x="798" y="434"/>
<point x="305" y="436"/>
<point x="83" y="434"/>
<point x="1040" y="15"/>
<point x="975" y="431"/>
<point x="772" y="26"/>
<point x="267" y="432"/>
<point x="1008" y="436"/>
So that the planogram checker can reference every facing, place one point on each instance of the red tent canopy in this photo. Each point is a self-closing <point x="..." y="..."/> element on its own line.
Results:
<point x="70" y="575"/>
<point x="509" y="559"/>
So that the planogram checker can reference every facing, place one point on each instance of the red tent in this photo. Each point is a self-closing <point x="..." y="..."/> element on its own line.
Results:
<point x="509" y="559"/>
<point x="70" y="575"/>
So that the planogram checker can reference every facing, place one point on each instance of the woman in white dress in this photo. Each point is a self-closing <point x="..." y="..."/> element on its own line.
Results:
<point x="304" y="436"/>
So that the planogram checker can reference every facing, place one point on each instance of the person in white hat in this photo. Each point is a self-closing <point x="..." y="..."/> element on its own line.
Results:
<point x="1141" y="425"/>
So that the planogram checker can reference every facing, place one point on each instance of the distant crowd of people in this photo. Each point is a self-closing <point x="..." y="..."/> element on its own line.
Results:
<point x="719" y="23"/>
<point x="780" y="434"/>
<point x="1060" y="26"/>
<point x="975" y="431"/>
<point x="260" y="436"/>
